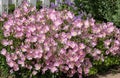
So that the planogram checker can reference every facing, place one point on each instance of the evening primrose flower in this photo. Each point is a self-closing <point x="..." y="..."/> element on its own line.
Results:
<point x="3" y="52"/>
<point x="5" y="42"/>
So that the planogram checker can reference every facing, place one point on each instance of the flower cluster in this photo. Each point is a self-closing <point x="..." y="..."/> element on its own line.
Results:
<point x="53" y="40"/>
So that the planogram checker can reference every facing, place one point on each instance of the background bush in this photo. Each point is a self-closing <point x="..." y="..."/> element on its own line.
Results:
<point x="11" y="8"/>
<point x="103" y="10"/>
<point x="116" y="16"/>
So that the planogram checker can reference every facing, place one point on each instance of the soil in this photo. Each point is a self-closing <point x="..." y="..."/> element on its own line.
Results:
<point x="111" y="76"/>
<point x="114" y="73"/>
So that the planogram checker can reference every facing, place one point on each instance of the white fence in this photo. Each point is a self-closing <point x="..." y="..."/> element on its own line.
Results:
<point x="4" y="4"/>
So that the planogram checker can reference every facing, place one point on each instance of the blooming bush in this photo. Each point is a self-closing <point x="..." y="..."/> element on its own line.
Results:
<point x="49" y="40"/>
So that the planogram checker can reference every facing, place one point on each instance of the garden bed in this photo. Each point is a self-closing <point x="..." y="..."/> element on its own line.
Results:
<point x="56" y="43"/>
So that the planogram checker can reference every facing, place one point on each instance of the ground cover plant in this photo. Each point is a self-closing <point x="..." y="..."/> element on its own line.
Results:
<point x="52" y="43"/>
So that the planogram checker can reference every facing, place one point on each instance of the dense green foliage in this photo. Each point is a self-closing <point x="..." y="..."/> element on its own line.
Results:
<point x="103" y="10"/>
<point x="116" y="16"/>
<point x="11" y="8"/>
<point x="100" y="67"/>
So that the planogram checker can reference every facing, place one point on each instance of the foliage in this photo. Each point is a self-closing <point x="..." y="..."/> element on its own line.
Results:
<point x="38" y="5"/>
<point x="105" y="10"/>
<point x="110" y="62"/>
<point x="11" y="8"/>
<point x="116" y="16"/>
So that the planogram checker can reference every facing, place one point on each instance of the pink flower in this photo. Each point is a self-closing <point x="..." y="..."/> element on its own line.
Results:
<point x="17" y="13"/>
<point x="86" y="24"/>
<point x="7" y="27"/>
<point x="19" y="34"/>
<point x="110" y="29"/>
<point x="76" y="58"/>
<point x="11" y="64"/>
<point x="73" y="33"/>
<point x="72" y="44"/>
<point x="41" y="38"/>
<point x="11" y="71"/>
<point x="82" y="46"/>
<point x="62" y="51"/>
<point x="29" y="67"/>
<point x="31" y="28"/>
<point x="37" y="66"/>
<point x="28" y="34"/>
<point x="5" y="42"/>
<point x="34" y="72"/>
<point x="56" y="64"/>
<point x="93" y="44"/>
<point x="29" y="56"/>
<point x="4" y="15"/>
<point x="53" y="16"/>
<point x="78" y="23"/>
<point x="53" y="69"/>
<point x="107" y="42"/>
<point x="70" y="15"/>
<point x="58" y="22"/>
<point x="86" y="70"/>
<point x="117" y="42"/>
<point x="6" y="33"/>
<point x="33" y="39"/>
<point x="96" y="30"/>
<point x="79" y="70"/>
<point x="46" y="29"/>
<point x="3" y="52"/>
<point x="21" y="63"/>
<point x="71" y="65"/>
<point x="38" y="55"/>
<point x="14" y="56"/>
<point x="32" y="18"/>
<point x="1" y="19"/>
<point x="97" y="51"/>
<point x="44" y="70"/>
<point x="47" y="48"/>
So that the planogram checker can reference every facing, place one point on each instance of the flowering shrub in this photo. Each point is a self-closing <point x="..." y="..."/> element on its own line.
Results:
<point x="55" y="40"/>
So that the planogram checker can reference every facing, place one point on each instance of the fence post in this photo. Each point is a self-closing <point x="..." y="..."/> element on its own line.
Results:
<point x="17" y="3"/>
<point x="33" y="2"/>
<point x="0" y="7"/>
<point x="72" y="1"/>
<point x="58" y="2"/>
<point x="3" y="6"/>
<point x="45" y="3"/>
<point x="13" y="1"/>
<point x="10" y="2"/>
